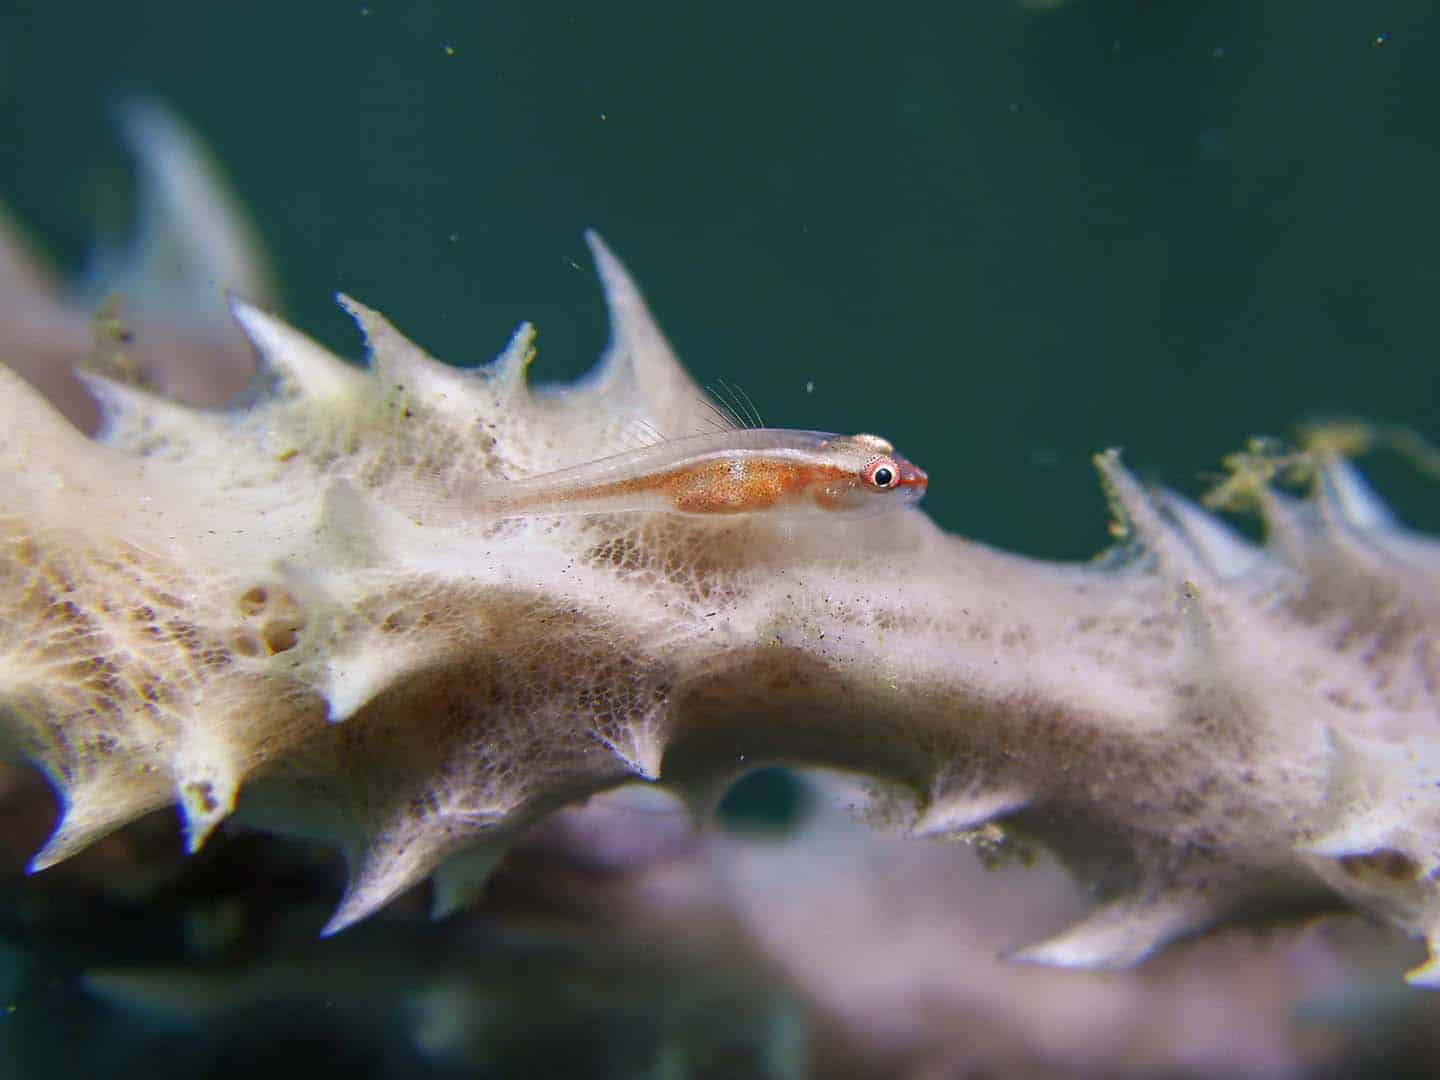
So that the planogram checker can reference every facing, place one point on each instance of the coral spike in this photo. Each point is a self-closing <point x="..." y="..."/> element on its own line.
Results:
<point x="319" y="373"/>
<point x="205" y="788"/>
<point x="406" y="372"/>
<point x="1122" y="933"/>
<point x="460" y="880"/>
<point x="1136" y="512"/>
<point x="396" y="860"/>
<point x="93" y="810"/>
<point x="1226" y="553"/>
<point x="508" y="370"/>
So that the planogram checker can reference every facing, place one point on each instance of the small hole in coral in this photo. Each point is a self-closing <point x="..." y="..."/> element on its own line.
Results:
<point x="253" y="600"/>
<point x="246" y="645"/>
<point x="279" y="637"/>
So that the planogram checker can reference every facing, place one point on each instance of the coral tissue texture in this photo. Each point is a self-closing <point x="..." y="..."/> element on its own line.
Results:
<point x="282" y="612"/>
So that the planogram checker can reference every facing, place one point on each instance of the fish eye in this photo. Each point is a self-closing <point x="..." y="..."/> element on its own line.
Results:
<point x="882" y="474"/>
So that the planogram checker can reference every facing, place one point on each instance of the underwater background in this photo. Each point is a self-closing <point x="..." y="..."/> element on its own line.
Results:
<point x="1003" y="235"/>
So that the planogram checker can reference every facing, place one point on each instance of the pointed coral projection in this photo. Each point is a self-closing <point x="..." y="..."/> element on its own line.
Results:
<point x="508" y="371"/>
<point x="193" y="236"/>
<point x="354" y="681"/>
<point x="205" y="799"/>
<point x="459" y="881"/>
<point x="1354" y="500"/>
<point x="1138" y="519"/>
<point x="207" y="779"/>
<point x="639" y="366"/>
<point x="638" y="744"/>
<point x="93" y="808"/>
<point x="1122" y="933"/>
<point x="1367" y="775"/>
<point x="140" y="422"/>
<point x="407" y="375"/>
<point x="356" y="531"/>
<point x="1374" y="842"/>
<point x="160" y="320"/>
<point x="313" y="370"/>
<point x="390" y="861"/>
<point x="1225" y="552"/>
<point x="163" y="322"/>
<point x="40" y="449"/>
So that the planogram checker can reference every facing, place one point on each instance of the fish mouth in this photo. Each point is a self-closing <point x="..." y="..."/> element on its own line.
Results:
<point x="913" y="477"/>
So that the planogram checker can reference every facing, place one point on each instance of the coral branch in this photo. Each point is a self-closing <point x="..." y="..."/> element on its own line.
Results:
<point x="262" y="612"/>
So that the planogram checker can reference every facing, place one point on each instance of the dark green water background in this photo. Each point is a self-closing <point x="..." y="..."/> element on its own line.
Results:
<point x="1004" y="239"/>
